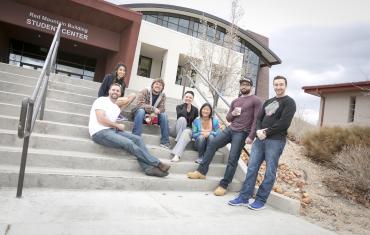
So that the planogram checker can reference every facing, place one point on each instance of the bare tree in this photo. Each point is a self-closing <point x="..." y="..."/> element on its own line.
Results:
<point x="216" y="56"/>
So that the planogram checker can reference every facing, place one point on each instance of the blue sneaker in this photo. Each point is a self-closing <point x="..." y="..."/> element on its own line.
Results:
<point x="239" y="201"/>
<point x="257" y="205"/>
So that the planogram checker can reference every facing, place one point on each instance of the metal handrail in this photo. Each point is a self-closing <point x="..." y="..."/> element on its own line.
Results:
<point x="32" y="106"/>
<point x="204" y="97"/>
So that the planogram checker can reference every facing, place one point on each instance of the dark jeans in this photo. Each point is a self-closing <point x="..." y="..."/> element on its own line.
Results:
<point x="129" y="142"/>
<point x="270" y="151"/>
<point x="237" y="140"/>
<point x="201" y="144"/>
<point x="163" y="122"/>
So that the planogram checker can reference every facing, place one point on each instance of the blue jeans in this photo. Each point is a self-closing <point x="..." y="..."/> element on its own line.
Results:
<point x="129" y="142"/>
<point x="270" y="151"/>
<point x="163" y="122"/>
<point x="237" y="140"/>
<point x="201" y="144"/>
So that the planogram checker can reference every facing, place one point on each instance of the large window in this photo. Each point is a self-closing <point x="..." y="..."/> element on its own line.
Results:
<point x="145" y="65"/>
<point x="193" y="27"/>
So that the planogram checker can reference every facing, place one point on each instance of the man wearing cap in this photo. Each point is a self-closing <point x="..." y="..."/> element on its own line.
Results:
<point x="272" y="126"/>
<point x="242" y="116"/>
<point x="152" y="102"/>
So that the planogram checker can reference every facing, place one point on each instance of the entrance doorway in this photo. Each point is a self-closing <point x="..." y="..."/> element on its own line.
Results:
<point x="27" y="55"/>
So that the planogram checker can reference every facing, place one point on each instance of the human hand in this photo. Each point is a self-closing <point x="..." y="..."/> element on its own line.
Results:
<point x="248" y="141"/>
<point x="261" y="134"/>
<point x="157" y="111"/>
<point x="237" y="111"/>
<point x="205" y="134"/>
<point x="120" y="126"/>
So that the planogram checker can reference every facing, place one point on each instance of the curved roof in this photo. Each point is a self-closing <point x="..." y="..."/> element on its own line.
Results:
<point x="268" y="57"/>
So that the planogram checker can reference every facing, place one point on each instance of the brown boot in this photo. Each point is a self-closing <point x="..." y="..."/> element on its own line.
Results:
<point x="164" y="167"/>
<point x="196" y="175"/>
<point x="155" y="171"/>
<point x="220" y="191"/>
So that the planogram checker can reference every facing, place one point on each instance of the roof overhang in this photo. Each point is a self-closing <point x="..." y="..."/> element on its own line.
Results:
<point x="268" y="57"/>
<point x="336" y="88"/>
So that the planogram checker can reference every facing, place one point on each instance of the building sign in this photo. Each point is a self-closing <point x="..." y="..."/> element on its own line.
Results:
<point x="47" y="23"/>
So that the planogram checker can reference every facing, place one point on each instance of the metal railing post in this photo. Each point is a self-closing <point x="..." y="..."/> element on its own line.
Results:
<point x="26" y="140"/>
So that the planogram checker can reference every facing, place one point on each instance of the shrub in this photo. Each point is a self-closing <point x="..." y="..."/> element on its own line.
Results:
<point x="324" y="144"/>
<point x="298" y="128"/>
<point x="352" y="175"/>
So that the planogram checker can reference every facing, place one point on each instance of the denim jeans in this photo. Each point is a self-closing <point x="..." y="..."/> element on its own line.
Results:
<point x="270" y="151"/>
<point x="129" y="142"/>
<point x="201" y="144"/>
<point x="163" y="122"/>
<point x="237" y="140"/>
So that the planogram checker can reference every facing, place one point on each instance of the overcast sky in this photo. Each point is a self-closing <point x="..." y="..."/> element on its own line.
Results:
<point x="319" y="41"/>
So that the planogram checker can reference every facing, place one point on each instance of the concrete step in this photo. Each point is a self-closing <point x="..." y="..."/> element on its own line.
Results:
<point x="94" y="179"/>
<point x="57" y="100"/>
<point x="86" y="145"/>
<point x="81" y="160"/>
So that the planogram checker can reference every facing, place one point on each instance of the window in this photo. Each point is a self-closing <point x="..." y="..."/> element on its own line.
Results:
<point x="352" y="108"/>
<point x="145" y="65"/>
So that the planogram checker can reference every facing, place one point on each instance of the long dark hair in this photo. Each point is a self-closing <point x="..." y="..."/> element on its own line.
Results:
<point x="203" y="106"/>
<point x="115" y="77"/>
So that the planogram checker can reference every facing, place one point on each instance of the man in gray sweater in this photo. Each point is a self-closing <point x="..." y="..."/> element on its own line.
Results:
<point x="242" y="115"/>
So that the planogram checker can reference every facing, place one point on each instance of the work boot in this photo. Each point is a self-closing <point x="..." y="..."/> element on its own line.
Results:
<point x="220" y="191"/>
<point x="164" y="167"/>
<point x="196" y="175"/>
<point x="155" y="171"/>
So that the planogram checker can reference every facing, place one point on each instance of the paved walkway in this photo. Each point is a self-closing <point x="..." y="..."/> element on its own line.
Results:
<point x="49" y="211"/>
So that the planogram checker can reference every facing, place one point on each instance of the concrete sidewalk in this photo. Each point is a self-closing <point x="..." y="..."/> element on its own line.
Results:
<point x="49" y="211"/>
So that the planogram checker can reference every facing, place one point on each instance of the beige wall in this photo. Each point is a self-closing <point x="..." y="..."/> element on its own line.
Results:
<point x="337" y="109"/>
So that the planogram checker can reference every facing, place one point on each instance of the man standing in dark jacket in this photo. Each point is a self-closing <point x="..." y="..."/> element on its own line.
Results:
<point x="272" y="125"/>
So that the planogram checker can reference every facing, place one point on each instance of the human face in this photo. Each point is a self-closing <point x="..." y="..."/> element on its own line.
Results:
<point x="279" y="87"/>
<point x="114" y="92"/>
<point x="157" y="87"/>
<point x="245" y="88"/>
<point x="206" y="112"/>
<point x="121" y="72"/>
<point x="188" y="98"/>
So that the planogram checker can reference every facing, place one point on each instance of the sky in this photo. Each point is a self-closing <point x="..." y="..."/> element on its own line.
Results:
<point x="318" y="41"/>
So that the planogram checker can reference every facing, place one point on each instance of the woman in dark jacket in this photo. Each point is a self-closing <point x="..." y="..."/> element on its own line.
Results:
<point x="117" y="76"/>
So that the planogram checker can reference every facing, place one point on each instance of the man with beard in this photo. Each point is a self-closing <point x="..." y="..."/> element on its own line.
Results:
<point x="272" y="126"/>
<point x="242" y="115"/>
<point x="106" y="131"/>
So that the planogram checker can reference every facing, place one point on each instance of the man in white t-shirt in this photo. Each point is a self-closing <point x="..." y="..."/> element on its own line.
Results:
<point x="106" y="131"/>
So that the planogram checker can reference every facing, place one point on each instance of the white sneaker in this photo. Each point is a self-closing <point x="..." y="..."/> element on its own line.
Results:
<point x="175" y="158"/>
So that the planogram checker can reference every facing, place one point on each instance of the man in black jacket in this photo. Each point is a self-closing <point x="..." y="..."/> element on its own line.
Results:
<point x="272" y="125"/>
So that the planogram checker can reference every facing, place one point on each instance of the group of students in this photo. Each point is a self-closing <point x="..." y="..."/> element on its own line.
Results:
<point x="250" y="122"/>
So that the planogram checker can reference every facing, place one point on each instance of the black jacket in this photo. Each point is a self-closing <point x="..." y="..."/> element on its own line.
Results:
<point x="108" y="80"/>
<point x="181" y="112"/>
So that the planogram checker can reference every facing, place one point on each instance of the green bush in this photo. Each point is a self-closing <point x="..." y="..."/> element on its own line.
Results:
<point x="324" y="144"/>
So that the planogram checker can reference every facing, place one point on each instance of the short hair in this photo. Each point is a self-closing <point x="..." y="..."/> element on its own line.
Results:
<point x="203" y="106"/>
<point x="189" y="92"/>
<point x="116" y="84"/>
<point x="280" y="77"/>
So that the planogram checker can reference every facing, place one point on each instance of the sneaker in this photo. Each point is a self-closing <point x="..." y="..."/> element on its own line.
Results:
<point x="166" y="145"/>
<point x="196" y="175"/>
<point x="175" y="158"/>
<point x="239" y="201"/>
<point x="257" y="205"/>
<point x="219" y="191"/>
<point x="198" y="161"/>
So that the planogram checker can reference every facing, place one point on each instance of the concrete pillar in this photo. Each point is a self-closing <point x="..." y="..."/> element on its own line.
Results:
<point x="169" y="66"/>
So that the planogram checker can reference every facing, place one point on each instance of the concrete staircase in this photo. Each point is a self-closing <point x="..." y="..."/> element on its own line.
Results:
<point x="61" y="153"/>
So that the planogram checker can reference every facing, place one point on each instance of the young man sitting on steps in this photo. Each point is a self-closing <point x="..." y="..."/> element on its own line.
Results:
<point x="106" y="131"/>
